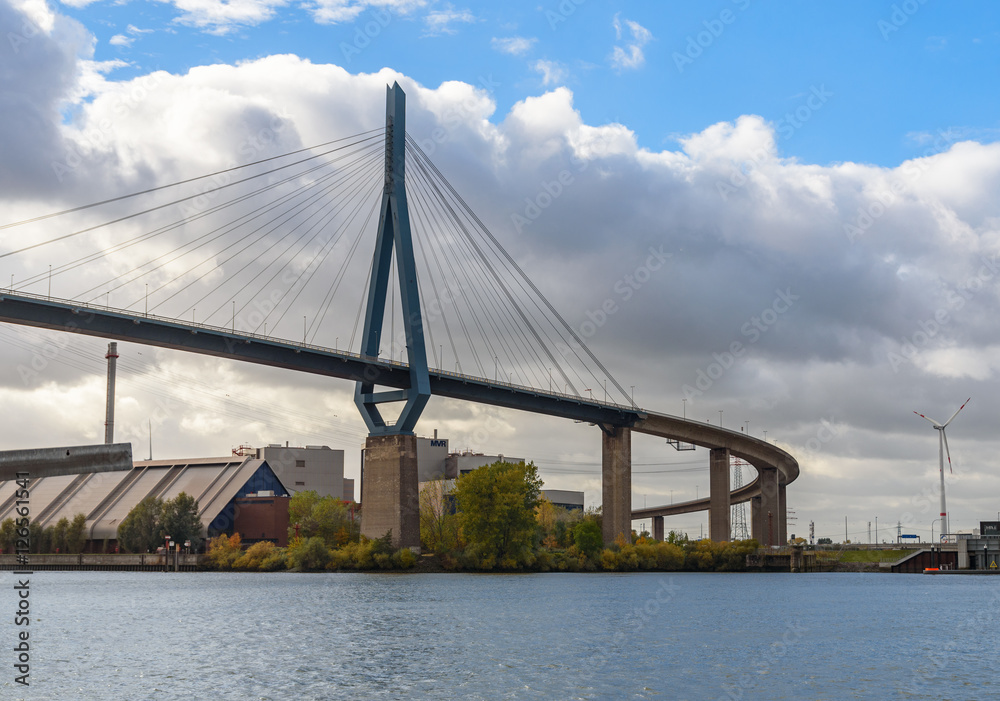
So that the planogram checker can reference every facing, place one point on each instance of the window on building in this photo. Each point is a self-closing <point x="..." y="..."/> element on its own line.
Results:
<point x="300" y="484"/>
<point x="300" y="463"/>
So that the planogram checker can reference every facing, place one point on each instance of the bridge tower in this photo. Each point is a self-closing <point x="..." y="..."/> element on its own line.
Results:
<point x="389" y="466"/>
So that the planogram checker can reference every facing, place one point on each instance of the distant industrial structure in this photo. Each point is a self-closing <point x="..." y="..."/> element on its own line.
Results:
<point x="968" y="552"/>
<point x="436" y="463"/>
<point x="230" y="491"/>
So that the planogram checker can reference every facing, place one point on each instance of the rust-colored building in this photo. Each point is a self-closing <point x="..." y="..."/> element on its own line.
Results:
<point x="262" y="517"/>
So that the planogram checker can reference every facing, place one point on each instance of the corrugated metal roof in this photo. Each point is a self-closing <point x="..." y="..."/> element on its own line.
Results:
<point x="107" y="497"/>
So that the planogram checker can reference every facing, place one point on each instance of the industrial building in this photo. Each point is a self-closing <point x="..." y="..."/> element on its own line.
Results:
<point x="436" y="463"/>
<point x="972" y="551"/>
<point x="315" y="467"/>
<point x="225" y="489"/>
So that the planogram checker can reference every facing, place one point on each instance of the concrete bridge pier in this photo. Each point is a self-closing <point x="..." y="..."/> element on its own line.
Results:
<point x="616" y="478"/>
<point x="389" y="496"/>
<point x="719" y="527"/>
<point x="782" y="514"/>
<point x="658" y="528"/>
<point x="764" y="510"/>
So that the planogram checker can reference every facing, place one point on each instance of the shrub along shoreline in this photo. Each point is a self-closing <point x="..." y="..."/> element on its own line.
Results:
<point x="313" y="555"/>
<point x="493" y="519"/>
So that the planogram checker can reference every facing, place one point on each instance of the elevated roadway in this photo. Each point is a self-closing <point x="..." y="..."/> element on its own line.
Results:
<point x="775" y="467"/>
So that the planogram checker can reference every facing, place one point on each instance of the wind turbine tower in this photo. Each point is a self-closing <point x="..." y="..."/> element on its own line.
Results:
<point x="942" y="451"/>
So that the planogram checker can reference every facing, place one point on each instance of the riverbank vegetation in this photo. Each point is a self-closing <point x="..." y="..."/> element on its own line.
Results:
<point x="493" y="519"/>
<point x="64" y="536"/>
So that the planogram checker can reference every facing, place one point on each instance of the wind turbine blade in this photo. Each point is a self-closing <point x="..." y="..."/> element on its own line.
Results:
<point x="936" y="424"/>
<point x="956" y="413"/>
<point x="947" y="452"/>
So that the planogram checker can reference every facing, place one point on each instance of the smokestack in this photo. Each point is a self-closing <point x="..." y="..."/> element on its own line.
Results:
<point x="109" y="422"/>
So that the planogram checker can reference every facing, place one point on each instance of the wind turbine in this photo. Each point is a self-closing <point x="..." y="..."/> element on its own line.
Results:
<point x="942" y="450"/>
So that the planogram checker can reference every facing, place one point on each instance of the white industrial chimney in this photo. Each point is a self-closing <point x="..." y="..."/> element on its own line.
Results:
<point x="109" y="422"/>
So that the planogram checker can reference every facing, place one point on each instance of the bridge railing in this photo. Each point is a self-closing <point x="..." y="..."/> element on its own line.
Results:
<point x="251" y="335"/>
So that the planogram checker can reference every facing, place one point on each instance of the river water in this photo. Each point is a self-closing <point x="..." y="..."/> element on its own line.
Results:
<point x="111" y="635"/>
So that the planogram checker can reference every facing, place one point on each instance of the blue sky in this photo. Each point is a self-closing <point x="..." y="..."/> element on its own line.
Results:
<point x="892" y="82"/>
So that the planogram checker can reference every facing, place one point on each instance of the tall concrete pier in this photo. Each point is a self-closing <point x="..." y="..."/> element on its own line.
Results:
<point x="766" y="516"/>
<point x="389" y="497"/>
<point x="719" y="528"/>
<point x="616" y="478"/>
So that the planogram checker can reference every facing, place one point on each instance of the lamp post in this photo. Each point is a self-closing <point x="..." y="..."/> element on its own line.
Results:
<point x="932" y="529"/>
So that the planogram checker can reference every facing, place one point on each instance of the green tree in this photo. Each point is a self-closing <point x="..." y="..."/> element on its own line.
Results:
<point x="587" y="537"/>
<point x="438" y="525"/>
<point x="141" y="529"/>
<point x="300" y="511"/>
<point x="180" y="520"/>
<point x="8" y="535"/>
<point x="496" y="506"/>
<point x="321" y="517"/>
<point x="309" y="554"/>
<point x="76" y="534"/>
<point x="59" y="535"/>
<point x="35" y="538"/>
<point x="46" y="543"/>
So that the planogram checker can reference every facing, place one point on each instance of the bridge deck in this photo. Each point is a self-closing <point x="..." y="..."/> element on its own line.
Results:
<point x="117" y="324"/>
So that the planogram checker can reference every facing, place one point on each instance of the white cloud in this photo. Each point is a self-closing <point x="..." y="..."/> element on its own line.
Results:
<point x="976" y="363"/>
<point x="337" y="11"/>
<point x="552" y="72"/>
<point x="515" y="46"/>
<point x="441" y="21"/>
<point x="224" y="16"/>
<point x="124" y="40"/>
<point x="38" y="13"/>
<point x="630" y="56"/>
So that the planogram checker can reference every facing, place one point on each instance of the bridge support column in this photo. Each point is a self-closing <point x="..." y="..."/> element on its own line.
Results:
<point x="658" y="527"/>
<point x="719" y="528"/>
<point x="755" y="520"/>
<point x="389" y="498"/>
<point x="616" y="476"/>
<point x="782" y="515"/>
<point x="765" y="513"/>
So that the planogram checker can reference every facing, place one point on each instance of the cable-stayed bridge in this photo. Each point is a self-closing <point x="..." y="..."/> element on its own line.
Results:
<point x="265" y="262"/>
